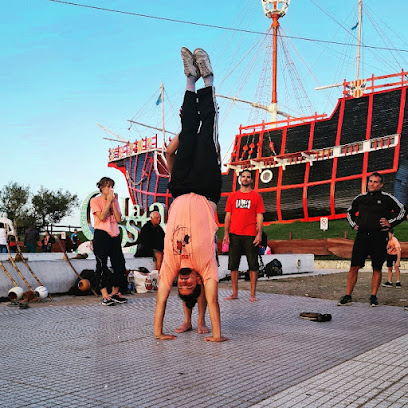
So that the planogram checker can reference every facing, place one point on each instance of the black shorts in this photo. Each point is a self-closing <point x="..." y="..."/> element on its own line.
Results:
<point x="373" y="244"/>
<point x="391" y="260"/>
<point x="242" y="245"/>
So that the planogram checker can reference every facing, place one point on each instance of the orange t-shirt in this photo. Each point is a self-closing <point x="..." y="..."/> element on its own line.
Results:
<point x="189" y="239"/>
<point x="109" y="224"/>
<point x="393" y="246"/>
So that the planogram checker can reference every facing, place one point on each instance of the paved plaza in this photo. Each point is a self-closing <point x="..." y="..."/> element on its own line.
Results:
<point x="86" y="355"/>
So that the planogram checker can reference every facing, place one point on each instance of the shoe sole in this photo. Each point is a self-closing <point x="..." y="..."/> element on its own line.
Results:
<point x="372" y="305"/>
<point x="386" y="286"/>
<point x="344" y="304"/>
<point x="108" y="304"/>
<point x="119" y="301"/>
<point x="210" y="69"/>
<point x="185" y="52"/>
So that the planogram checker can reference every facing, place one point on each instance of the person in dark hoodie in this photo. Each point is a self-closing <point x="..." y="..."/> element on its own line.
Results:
<point x="372" y="215"/>
<point x="31" y="237"/>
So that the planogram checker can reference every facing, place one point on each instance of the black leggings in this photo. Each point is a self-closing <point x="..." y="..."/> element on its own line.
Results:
<point x="196" y="166"/>
<point x="106" y="246"/>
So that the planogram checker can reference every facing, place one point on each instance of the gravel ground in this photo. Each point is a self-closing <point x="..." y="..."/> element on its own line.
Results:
<point x="331" y="286"/>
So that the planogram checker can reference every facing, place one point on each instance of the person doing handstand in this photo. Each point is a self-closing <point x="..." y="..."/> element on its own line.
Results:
<point x="189" y="252"/>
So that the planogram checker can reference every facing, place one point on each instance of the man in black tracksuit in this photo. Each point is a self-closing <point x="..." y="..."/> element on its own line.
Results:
<point x="371" y="214"/>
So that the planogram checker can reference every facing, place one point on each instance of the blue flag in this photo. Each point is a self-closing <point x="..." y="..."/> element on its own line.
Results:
<point x="353" y="28"/>
<point x="159" y="100"/>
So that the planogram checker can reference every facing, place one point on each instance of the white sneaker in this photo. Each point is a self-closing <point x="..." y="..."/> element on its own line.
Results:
<point x="203" y="62"/>
<point x="190" y="67"/>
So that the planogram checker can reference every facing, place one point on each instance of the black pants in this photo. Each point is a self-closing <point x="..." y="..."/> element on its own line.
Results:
<point x="106" y="246"/>
<point x="196" y="168"/>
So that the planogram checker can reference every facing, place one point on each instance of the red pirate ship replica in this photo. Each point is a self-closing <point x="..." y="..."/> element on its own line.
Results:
<point x="306" y="167"/>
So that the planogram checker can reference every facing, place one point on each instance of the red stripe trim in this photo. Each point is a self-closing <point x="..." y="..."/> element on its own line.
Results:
<point x="335" y="159"/>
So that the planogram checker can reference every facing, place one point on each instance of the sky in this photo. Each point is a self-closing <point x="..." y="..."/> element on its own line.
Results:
<point x="66" y="68"/>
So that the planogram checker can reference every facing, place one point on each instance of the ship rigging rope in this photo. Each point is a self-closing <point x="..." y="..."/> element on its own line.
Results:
<point x="374" y="22"/>
<point x="221" y="27"/>
<point x="149" y="108"/>
<point x="386" y="40"/>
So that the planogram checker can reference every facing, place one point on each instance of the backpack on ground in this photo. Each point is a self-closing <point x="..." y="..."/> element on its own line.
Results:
<point x="273" y="268"/>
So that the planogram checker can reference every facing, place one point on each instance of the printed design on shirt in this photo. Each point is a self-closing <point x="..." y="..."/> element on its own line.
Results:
<point x="240" y="203"/>
<point x="182" y="242"/>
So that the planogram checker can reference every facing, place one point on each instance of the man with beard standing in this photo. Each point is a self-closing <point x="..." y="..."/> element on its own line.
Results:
<point x="243" y="231"/>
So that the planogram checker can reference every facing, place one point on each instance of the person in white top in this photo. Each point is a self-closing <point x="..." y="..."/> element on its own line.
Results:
<point x="3" y="239"/>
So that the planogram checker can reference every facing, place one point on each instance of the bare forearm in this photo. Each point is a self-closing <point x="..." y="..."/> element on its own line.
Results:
<point x="211" y="294"/>
<point x="104" y="213"/>
<point x="171" y="153"/>
<point x="161" y="302"/>
<point x="116" y="212"/>
<point x="170" y="161"/>
<point x="227" y="223"/>
<point x="215" y="317"/>
<point x="259" y="223"/>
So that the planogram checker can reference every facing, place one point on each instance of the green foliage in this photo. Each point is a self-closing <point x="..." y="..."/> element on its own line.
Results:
<point x="45" y="207"/>
<point x="14" y="200"/>
<point x="51" y="207"/>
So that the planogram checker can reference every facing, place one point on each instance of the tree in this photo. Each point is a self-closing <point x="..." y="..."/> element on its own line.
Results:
<point x="14" y="201"/>
<point x="51" y="207"/>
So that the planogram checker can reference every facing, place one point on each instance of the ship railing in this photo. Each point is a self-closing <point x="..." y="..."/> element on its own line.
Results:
<point x="159" y="155"/>
<point x="260" y="127"/>
<point x="311" y="156"/>
<point x="356" y="89"/>
<point x="146" y="144"/>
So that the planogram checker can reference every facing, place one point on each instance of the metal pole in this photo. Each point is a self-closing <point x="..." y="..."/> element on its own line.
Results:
<point x="275" y="25"/>
<point x="360" y="12"/>
<point x="162" y="109"/>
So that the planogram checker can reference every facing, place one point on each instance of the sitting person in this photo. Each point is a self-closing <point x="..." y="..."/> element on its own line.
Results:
<point x="151" y="240"/>
<point x="195" y="183"/>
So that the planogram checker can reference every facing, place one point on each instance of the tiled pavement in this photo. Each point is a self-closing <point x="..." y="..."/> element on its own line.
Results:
<point x="106" y="357"/>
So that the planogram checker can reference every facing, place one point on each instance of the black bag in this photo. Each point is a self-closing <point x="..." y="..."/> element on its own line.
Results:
<point x="264" y="240"/>
<point x="273" y="268"/>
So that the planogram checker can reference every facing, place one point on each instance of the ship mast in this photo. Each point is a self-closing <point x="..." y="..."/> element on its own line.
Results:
<point x="360" y="12"/>
<point x="162" y="112"/>
<point x="275" y="9"/>
<point x="360" y="18"/>
<point x="160" y="100"/>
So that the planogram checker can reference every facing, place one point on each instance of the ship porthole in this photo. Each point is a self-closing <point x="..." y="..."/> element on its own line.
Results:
<point x="266" y="176"/>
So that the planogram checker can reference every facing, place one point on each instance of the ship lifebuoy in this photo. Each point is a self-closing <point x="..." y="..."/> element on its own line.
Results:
<point x="266" y="176"/>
